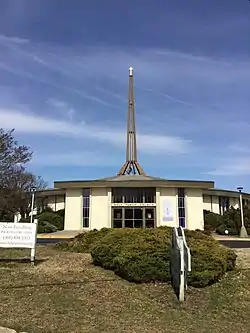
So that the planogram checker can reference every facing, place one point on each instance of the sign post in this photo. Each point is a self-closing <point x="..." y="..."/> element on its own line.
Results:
<point x="19" y="235"/>
<point x="180" y="262"/>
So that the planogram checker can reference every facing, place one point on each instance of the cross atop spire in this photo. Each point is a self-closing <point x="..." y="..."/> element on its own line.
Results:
<point x="131" y="166"/>
<point x="131" y="71"/>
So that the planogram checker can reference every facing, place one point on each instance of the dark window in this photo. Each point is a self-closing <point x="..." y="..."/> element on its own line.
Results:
<point x="85" y="213"/>
<point x="117" y="195"/>
<point x="129" y="213"/>
<point x="117" y="217"/>
<point x="133" y="217"/>
<point x="149" y="195"/>
<point x="223" y="204"/>
<point x="117" y="223"/>
<point x="129" y="223"/>
<point x="133" y="195"/>
<point x="149" y="218"/>
<point x="181" y="207"/>
<point x="245" y="203"/>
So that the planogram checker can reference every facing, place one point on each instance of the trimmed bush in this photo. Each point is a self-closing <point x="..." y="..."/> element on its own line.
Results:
<point x="211" y="220"/>
<point x="231" y="221"/>
<point x="26" y="219"/>
<point x="142" y="255"/>
<point x="82" y="242"/>
<point x="43" y="226"/>
<point x="52" y="219"/>
<point x="210" y="260"/>
<point x="61" y="212"/>
<point x="47" y="209"/>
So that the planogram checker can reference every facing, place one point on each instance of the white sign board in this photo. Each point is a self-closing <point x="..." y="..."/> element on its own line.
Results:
<point x="180" y="262"/>
<point x="167" y="211"/>
<point x="135" y="204"/>
<point x="19" y="235"/>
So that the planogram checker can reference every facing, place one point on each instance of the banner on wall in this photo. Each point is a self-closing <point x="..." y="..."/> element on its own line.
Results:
<point x="167" y="210"/>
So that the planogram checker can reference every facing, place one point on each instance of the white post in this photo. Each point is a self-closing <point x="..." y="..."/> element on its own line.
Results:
<point x="241" y="211"/>
<point x="180" y="260"/>
<point x="33" y="249"/>
<point x="182" y="272"/>
<point x="32" y="203"/>
<point x="243" y="231"/>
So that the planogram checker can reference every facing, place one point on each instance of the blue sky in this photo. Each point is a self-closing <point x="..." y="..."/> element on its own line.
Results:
<point x="64" y="86"/>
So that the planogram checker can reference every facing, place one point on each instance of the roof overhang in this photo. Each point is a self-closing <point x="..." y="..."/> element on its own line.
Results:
<point x="50" y="192"/>
<point x="134" y="183"/>
<point x="225" y="193"/>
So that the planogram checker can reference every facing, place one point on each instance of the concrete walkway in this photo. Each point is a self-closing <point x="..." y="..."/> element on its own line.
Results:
<point x="229" y="238"/>
<point x="64" y="234"/>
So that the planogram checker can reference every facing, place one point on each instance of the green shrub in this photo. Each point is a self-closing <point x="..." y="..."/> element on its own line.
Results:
<point x="143" y="255"/>
<point x="26" y="219"/>
<point x="61" y="212"/>
<point x="211" y="220"/>
<point x="83" y="241"/>
<point x="7" y="217"/>
<point x="210" y="260"/>
<point x="47" y="209"/>
<point x="43" y="226"/>
<point x="52" y="218"/>
<point x="231" y="221"/>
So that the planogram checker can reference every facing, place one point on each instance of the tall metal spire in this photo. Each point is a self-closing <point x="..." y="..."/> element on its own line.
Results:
<point x="131" y="166"/>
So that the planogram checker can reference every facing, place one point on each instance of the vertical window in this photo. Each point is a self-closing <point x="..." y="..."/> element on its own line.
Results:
<point x="134" y="195"/>
<point x="181" y="207"/>
<point x="245" y="203"/>
<point x="85" y="212"/>
<point x="223" y="204"/>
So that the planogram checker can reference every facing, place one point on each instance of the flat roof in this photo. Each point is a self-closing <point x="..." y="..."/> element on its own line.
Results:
<point x="133" y="181"/>
<point x="222" y="192"/>
<point x="173" y="183"/>
<point x="50" y="191"/>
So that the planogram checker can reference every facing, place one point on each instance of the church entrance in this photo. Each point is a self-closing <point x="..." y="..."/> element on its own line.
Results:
<point x="133" y="217"/>
<point x="133" y="208"/>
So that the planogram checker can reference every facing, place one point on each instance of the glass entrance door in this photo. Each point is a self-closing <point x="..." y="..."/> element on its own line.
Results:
<point x="133" y="217"/>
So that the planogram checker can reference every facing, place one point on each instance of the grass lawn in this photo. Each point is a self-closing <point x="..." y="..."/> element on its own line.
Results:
<point x="65" y="293"/>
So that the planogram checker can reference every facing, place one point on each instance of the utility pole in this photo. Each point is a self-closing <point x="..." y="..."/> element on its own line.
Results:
<point x="243" y="231"/>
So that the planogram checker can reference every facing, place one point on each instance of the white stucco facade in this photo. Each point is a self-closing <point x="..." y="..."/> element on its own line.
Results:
<point x="100" y="208"/>
<point x="73" y="209"/>
<point x="166" y="205"/>
<point x="194" y="209"/>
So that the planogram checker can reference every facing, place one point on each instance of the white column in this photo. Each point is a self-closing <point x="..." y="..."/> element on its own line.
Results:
<point x="158" y="206"/>
<point x="73" y="209"/>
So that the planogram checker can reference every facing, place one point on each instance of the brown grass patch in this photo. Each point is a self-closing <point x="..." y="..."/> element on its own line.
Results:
<point x="66" y="293"/>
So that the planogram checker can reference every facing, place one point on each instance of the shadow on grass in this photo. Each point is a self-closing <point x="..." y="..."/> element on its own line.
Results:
<point x="4" y="261"/>
<point x="55" y="284"/>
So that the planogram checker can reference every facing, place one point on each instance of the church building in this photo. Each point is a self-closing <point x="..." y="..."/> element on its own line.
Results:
<point x="133" y="199"/>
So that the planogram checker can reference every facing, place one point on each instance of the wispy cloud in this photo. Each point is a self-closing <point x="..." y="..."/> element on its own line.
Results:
<point x="13" y="40"/>
<point x="234" y="167"/>
<point x="233" y="162"/>
<point x="62" y="107"/>
<point x="82" y="158"/>
<point x="32" y="124"/>
<point x="186" y="103"/>
<point x="171" y="98"/>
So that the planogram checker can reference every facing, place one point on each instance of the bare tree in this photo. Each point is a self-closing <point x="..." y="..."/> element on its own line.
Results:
<point x="15" y="181"/>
